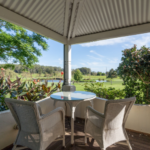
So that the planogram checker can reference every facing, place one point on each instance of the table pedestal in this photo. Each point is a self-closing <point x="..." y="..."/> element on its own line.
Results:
<point x="73" y="105"/>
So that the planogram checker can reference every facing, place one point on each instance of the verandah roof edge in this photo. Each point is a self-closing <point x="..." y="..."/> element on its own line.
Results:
<point x="19" y="20"/>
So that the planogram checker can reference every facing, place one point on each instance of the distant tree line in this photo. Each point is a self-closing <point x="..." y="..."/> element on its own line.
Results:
<point x="40" y="69"/>
<point x="36" y="69"/>
<point x="97" y="73"/>
<point x="84" y="70"/>
<point x="87" y="71"/>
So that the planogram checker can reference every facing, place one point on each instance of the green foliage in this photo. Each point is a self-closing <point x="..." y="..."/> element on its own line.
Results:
<point x="84" y="70"/>
<point x="112" y="74"/>
<point x="31" y="91"/>
<point x="77" y="75"/>
<point x="93" y="73"/>
<point x="8" y="87"/>
<point x="135" y="72"/>
<point x="3" y="91"/>
<point x="103" y="74"/>
<point x="35" y="91"/>
<point x="19" y="45"/>
<point x="35" y="69"/>
<point x="110" y="93"/>
<point x="10" y="73"/>
<point x="99" y="73"/>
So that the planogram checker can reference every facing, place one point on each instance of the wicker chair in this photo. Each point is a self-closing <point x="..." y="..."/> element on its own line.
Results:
<point x="36" y="131"/>
<point x="109" y="128"/>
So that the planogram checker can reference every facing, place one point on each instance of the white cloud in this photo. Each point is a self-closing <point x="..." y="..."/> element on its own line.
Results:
<point x="92" y="64"/>
<point x="74" y="66"/>
<point x="141" y="41"/>
<point x="83" y="64"/>
<point x="95" y="58"/>
<point x="113" y="60"/>
<point x="98" y="65"/>
<point x="2" y="62"/>
<point x="106" y="42"/>
<point x="127" y="42"/>
<point x="60" y="61"/>
<point x="127" y="45"/>
<point x="110" y="60"/>
<point x="96" y="53"/>
<point x="98" y="62"/>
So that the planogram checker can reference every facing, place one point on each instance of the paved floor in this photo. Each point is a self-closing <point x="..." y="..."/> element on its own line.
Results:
<point x="138" y="141"/>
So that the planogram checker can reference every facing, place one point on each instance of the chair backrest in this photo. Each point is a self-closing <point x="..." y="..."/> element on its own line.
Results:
<point x="116" y="112"/>
<point x="25" y="114"/>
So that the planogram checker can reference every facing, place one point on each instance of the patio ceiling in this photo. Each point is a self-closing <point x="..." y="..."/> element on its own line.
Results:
<point x="79" y="21"/>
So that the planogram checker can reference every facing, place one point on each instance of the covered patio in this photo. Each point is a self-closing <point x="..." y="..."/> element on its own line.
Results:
<point x="138" y="141"/>
<point x="80" y="21"/>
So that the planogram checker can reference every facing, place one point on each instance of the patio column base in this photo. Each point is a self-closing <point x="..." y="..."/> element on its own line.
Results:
<point x="68" y="88"/>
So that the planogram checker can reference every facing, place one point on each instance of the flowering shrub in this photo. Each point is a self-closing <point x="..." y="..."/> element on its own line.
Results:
<point x="35" y="91"/>
<point x="11" y="88"/>
<point x="31" y="91"/>
<point x="110" y="93"/>
<point x="62" y="73"/>
<point x="135" y="72"/>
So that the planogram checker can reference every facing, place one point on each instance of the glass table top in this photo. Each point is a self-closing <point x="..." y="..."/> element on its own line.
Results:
<point x="73" y="96"/>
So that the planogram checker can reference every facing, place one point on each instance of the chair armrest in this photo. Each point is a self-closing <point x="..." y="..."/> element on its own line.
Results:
<point x="54" y="118"/>
<point x="89" y="108"/>
<point x="52" y="112"/>
<point x="95" y="117"/>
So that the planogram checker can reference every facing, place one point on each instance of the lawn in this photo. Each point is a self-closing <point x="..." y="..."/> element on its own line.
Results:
<point x="93" y="77"/>
<point x="116" y="83"/>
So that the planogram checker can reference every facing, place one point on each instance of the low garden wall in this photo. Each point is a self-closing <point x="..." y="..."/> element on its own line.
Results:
<point x="138" y="119"/>
<point x="7" y="132"/>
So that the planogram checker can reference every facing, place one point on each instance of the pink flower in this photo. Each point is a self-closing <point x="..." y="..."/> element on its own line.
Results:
<point x="2" y="69"/>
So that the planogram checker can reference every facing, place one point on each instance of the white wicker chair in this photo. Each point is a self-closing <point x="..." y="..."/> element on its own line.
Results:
<point x="109" y="128"/>
<point x="36" y="131"/>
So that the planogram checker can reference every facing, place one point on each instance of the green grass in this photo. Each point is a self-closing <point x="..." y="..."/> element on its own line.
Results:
<point x="79" y="86"/>
<point x="116" y="83"/>
<point x="94" y="77"/>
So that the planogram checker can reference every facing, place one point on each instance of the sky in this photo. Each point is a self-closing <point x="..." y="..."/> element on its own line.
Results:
<point x="98" y="56"/>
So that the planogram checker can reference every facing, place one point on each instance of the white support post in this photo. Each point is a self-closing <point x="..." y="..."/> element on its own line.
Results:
<point x="67" y="69"/>
<point x="67" y="64"/>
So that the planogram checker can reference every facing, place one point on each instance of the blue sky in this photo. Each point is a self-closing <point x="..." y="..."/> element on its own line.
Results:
<point x="97" y="55"/>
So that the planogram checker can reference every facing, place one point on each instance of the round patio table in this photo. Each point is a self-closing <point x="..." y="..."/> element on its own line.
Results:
<point x="73" y="99"/>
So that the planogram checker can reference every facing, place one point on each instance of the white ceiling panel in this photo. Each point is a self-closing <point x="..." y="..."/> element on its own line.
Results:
<point x="76" y="19"/>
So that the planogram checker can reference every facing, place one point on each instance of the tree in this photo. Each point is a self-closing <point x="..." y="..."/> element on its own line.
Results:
<point x="99" y="73"/>
<point x="103" y="74"/>
<point x="135" y="72"/>
<point x="73" y="71"/>
<point x="112" y="74"/>
<point x="93" y="73"/>
<point x="77" y="75"/>
<point x="85" y="70"/>
<point x="40" y="72"/>
<point x="19" y="45"/>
